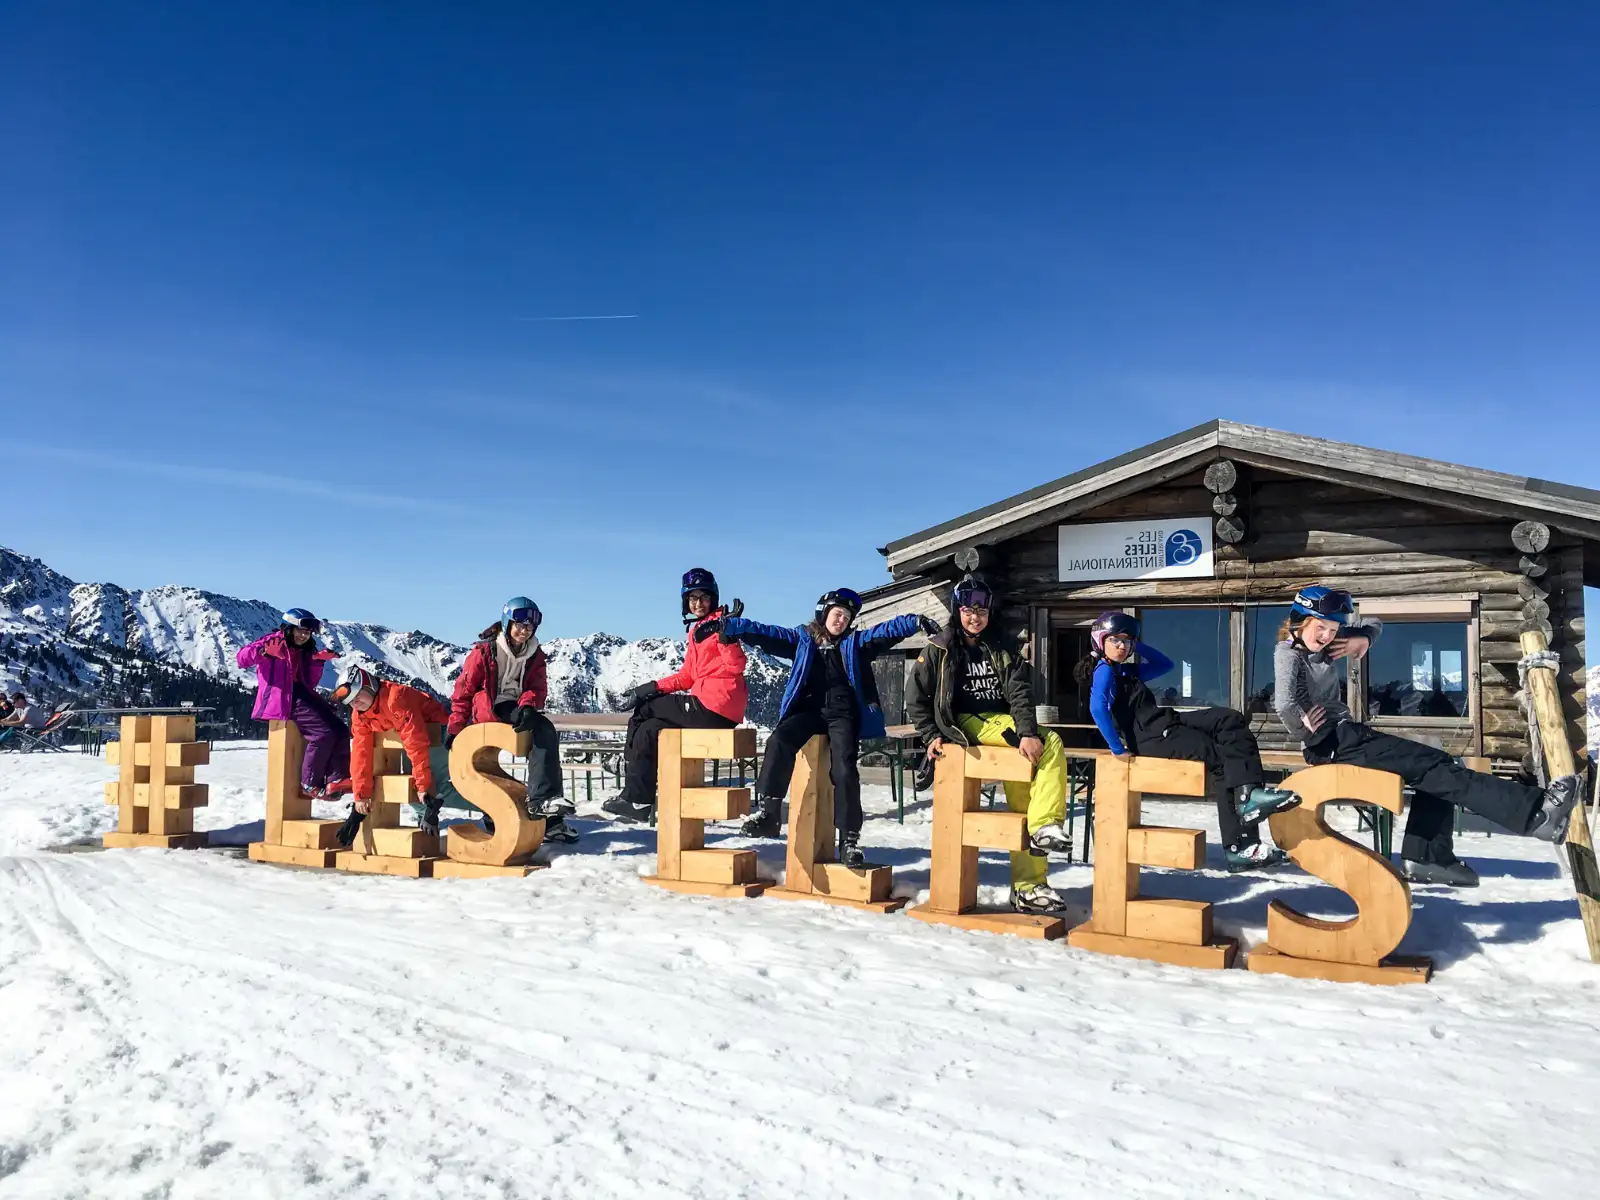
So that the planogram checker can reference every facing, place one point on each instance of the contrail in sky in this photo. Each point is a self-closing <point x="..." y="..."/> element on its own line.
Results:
<point x="607" y="317"/>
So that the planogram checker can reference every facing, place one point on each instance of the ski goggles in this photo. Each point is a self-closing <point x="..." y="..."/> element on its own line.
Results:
<point x="699" y="580"/>
<point x="525" y="616"/>
<point x="309" y="624"/>
<point x="974" y="597"/>
<point x="1333" y="605"/>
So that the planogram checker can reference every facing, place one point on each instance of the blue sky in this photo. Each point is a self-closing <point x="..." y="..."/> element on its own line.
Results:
<point x="266" y="277"/>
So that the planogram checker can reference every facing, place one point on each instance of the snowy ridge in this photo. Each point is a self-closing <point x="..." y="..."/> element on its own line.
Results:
<point x="43" y="610"/>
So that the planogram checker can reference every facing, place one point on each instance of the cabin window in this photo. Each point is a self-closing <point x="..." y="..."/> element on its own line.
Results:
<point x="1418" y="668"/>
<point x="1196" y="640"/>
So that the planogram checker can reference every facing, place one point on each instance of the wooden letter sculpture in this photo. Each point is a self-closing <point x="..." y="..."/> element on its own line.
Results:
<point x="683" y="806"/>
<point x="291" y="835"/>
<point x="1352" y="950"/>
<point x="473" y="853"/>
<point x="1169" y="931"/>
<point x="382" y="847"/>
<point x="813" y="872"/>
<point x="155" y="792"/>
<point x="960" y="830"/>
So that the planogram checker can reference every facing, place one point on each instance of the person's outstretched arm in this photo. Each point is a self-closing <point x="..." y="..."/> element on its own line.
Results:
<point x="774" y="639"/>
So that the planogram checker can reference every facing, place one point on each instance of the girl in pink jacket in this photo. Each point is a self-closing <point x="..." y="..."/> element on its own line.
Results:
<point x="288" y="666"/>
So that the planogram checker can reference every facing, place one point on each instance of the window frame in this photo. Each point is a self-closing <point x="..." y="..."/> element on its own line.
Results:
<point x="1424" y="611"/>
<point x="1235" y="644"/>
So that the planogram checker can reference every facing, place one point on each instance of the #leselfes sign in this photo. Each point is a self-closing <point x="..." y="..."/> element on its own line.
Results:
<point x="1174" y="548"/>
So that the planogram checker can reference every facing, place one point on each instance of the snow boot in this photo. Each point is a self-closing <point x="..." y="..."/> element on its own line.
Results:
<point x="556" y="829"/>
<point x="1454" y="873"/>
<point x="1040" y="898"/>
<point x="767" y="820"/>
<point x="559" y="804"/>
<point x="338" y="787"/>
<point x="1555" y="811"/>
<point x="1255" y="857"/>
<point x="624" y="809"/>
<point x="1254" y="804"/>
<point x="852" y="855"/>
<point x="1050" y="839"/>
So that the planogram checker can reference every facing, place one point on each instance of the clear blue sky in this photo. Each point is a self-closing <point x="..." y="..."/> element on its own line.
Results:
<point x="264" y="275"/>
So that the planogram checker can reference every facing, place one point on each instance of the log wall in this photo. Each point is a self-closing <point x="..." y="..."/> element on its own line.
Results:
<point x="1301" y="531"/>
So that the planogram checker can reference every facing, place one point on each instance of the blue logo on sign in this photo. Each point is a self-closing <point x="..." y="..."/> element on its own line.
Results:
<point x="1183" y="548"/>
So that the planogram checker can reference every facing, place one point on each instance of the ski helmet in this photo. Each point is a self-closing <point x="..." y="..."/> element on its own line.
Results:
<point x="521" y="610"/>
<point x="356" y="680"/>
<point x="1330" y="604"/>
<point x="698" y="579"/>
<point x="838" y="598"/>
<point x="1112" y="623"/>
<point x="971" y="592"/>
<point x="301" y="618"/>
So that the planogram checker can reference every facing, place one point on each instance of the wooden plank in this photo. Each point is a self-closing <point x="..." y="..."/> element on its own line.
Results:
<point x="697" y="888"/>
<point x="1396" y="969"/>
<point x="995" y="830"/>
<point x="305" y="834"/>
<point x="1216" y="956"/>
<point x="1116" y="880"/>
<point x="674" y="834"/>
<point x="1014" y="924"/>
<point x="158" y="820"/>
<point x="131" y="818"/>
<point x="719" y="743"/>
<point x="405" y="843"/>
<point x="1166" y="920"/>
<point x="888" y="904"/>
<point x="869" y="883"/>
<point x="1154" y="846"/>
<point x="999" y="763"/>
<point x="715" y="803"/>
<point x="190" y="840"/>
<point x="718" y="866"/>
<point x="380" y="864"/>
<point x="953" y="872"/>
<point x="1173" y="776"/>
<point x="290" y="856"/>
<point x="447" y="868"/>
<point x="810" y="815"/>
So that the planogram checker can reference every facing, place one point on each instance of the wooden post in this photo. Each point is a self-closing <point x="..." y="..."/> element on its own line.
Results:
<point x="291" y="835"/>
<point x="155" y="792"/>
<point x="684" y="804"/>
<point x="1559" y="759"/>
<point x="1356" y="950"/>
<point x="960" y="830"/>
<point x="475" y="771"/>
<point x="812" y="870"/>
<point x="382" y="846"/>
<point x="1124" y="922"/>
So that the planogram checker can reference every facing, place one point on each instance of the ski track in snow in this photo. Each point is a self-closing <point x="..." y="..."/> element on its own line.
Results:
<point x="190" y="1024"/>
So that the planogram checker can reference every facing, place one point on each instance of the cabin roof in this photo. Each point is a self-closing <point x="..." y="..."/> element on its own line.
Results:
<point x="1432" y="481"/>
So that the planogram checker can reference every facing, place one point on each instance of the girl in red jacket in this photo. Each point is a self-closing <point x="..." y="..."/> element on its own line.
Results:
<point x="708" y="693"/>
<point x="504" y="679"/>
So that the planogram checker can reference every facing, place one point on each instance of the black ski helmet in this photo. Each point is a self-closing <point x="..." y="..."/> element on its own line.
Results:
<point x="971" y="592"/>
<point x="698" y="579"/>
<point x="838" y="598"/>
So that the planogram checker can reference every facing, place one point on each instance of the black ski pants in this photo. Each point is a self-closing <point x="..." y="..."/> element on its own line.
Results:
<point x="544" y="756"/>
<point x="843" y="729"/>
<point x="1438" y="780"/>
<point x="674" y="710"/>
<point x="1220" y="738"/>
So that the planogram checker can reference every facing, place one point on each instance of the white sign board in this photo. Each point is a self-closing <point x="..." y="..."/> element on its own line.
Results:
<point x="1170" y="548"/>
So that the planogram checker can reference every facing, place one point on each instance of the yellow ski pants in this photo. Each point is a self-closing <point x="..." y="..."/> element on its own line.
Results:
<point x="1044" y="800"/>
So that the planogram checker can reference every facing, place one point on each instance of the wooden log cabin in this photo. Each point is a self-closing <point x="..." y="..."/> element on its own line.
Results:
<point x="1206" y="535"/>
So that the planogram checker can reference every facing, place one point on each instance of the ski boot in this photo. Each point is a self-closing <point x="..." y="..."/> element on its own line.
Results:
<point x="1050" y="839"/>
<point x="767" y="820"/>
<point x="1554" y="814"/>
<point x="1255" y="857"/>
<point x="850" y="851"/>
<point x="1454" y="873"/>
<point x="1040" y="898"/>
<point x="624" y="809"/>
<point x="1255" y="804"/>
<point x="561" y="805"/>
<point x="556" y="829"/>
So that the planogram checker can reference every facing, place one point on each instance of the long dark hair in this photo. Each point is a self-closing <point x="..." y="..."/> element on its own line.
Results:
<point x="1084" y="671"/>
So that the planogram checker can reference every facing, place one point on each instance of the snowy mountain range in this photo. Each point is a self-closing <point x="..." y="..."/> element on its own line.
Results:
<point x="62" y="640"/>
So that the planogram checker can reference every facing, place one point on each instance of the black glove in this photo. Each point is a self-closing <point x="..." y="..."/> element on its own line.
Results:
<point x="706" y="628"/>
<point x="636" y="696"/>
<point x="524" y="719"/>
<point x="429" y="821"/>
<point x="347" y="832"/>
<point x="735" y="608"/>
<point x="929" y="625"/>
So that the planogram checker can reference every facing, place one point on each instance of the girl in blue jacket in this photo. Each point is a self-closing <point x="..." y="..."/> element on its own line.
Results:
<point x="1131" y="722"/>
<point x="831" y="691"/>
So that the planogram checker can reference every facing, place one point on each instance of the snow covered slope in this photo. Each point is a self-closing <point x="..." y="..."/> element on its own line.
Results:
<point x="189" y="1024"/>
<point x="60" y="631"/>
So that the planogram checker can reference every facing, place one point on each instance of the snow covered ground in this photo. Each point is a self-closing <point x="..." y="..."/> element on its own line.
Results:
<point x="190" y="1024"/>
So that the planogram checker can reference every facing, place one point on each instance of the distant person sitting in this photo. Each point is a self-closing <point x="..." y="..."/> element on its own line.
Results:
<point x="24" y="715"/>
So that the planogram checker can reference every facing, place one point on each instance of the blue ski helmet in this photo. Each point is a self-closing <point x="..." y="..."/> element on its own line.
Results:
<point x="521" y="610"/>
<point x="301" y="618"/>
<point x="1328" y="603"/>
<point x="1112" y="623"/>
<point x="698" y="579"/>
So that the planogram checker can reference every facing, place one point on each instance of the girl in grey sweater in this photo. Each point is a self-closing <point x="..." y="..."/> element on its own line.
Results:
<point x="1309" y="701"/>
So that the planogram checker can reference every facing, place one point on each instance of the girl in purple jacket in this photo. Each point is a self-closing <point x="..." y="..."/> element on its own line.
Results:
<point x="288" y="666"/>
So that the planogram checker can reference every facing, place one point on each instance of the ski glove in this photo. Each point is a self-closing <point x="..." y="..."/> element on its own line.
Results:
<point x="929" y="625"/>
<point x="636" y="696"/>
<point x="524" y="719"/>
<point x="706" y="628"/>
<point x="429" y="821"/>
<point x="346" y="835"/>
